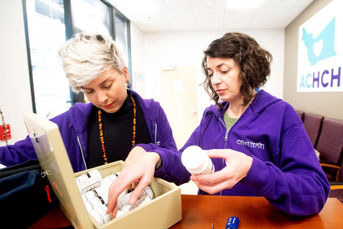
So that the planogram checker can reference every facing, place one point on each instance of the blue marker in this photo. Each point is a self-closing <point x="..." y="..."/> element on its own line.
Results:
<point x="232" y="223"/>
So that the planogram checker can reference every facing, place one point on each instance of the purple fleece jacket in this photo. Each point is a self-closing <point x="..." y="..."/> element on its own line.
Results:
<point x="73" y="127"/>
<point x="285" y="169"/>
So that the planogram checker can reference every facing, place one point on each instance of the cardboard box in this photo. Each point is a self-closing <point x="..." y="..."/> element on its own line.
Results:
<point x="162" y="212"/>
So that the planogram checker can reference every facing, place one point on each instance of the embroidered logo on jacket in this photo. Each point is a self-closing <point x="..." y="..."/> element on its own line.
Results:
<point x="250" y="144"/>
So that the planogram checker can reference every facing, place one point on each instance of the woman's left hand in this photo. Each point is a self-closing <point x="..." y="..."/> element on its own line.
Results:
<point x="237" y="167"/>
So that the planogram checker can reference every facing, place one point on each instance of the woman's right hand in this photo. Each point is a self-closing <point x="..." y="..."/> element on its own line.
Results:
<point x="135" y="154"/>
<point x="141" y="171"/>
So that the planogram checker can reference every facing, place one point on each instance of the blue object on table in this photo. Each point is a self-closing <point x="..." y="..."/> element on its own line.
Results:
<point x="232" y="223"/>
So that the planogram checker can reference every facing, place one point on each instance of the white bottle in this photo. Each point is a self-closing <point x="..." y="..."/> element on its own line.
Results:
<point x="89" y="181"/>
<point x="196" y="160"/>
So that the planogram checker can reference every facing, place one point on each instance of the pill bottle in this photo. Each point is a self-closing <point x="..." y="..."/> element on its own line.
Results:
<point x="89" y="181"/>
<point x="196" y="160"/>
<point x="124" y="198"/>
<point x="148" y="192"/>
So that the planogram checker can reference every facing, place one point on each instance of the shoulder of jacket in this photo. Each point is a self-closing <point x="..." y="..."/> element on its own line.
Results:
<point x="150" y="108"/>
<point x="78" y="115"/>
<point x="212" y="110"/>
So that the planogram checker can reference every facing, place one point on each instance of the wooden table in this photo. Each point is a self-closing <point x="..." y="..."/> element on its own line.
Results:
<point x="253" y="212"/>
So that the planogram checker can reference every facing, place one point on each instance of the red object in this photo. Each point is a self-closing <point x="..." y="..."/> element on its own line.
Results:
<point x="47" y="189"/>
<point x="5" y="135"/>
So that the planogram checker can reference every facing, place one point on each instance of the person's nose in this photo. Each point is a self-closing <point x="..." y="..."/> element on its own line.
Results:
<point x="102" y="97"/>
<point x="216" y="79"/>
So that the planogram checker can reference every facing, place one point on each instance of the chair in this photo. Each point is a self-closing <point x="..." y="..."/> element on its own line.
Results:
<point x="336" y="190"/>
<point x="301" y="114"/>
<point x="330" y="148"/>
<point x="313" y="124"/>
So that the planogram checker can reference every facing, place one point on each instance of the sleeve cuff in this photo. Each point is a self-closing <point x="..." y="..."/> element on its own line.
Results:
<point x="258" y="176"/>
<point x="159" y="164"/>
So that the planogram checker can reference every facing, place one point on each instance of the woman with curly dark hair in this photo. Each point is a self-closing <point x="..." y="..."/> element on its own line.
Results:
<point x="257" y="142"/>
<point x="253" y="61"/>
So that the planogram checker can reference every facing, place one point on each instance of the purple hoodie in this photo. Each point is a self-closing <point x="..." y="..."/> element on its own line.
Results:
<point x="73" y="127"/>
<point x="285" y="169"/>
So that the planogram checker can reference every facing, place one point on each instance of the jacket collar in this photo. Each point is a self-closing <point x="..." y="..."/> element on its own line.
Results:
<point x="148" y="106"/>
<point x="79" y="113"/>
<point x="261" y="101"/>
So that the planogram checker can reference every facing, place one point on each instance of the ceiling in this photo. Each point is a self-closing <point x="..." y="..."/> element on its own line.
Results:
<point x="188" y="15"/>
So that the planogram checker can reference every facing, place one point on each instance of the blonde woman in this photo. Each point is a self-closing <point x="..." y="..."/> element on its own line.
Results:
<point x="117" y="120"/>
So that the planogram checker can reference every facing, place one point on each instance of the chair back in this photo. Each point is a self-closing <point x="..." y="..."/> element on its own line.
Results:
<point x="330" y="142"/>
<point x="301" y="114"/>
<point x="313" y="124"/>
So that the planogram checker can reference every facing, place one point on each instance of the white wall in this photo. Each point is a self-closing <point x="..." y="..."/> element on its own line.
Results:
<point x="137" y="58"/>
<point x="15" y="95"/>
<point x="186" y="48"/>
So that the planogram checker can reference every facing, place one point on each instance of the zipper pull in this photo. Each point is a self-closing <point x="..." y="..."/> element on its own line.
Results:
<point x="225" y="138"/>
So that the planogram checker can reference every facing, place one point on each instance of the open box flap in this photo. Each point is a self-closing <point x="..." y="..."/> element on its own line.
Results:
<point x="50" y="150"/>
<point x="53" y="158"/>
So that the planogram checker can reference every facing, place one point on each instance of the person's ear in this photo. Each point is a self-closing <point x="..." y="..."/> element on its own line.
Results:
<point x="126" y="73"/>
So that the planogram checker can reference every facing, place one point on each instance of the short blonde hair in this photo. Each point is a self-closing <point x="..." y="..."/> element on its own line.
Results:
<point x="87" y="55"/>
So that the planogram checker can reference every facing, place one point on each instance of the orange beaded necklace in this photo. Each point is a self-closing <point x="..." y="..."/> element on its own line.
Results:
<point x="101" y="131"/>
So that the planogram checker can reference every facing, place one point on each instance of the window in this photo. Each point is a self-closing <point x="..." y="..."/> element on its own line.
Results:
<point x="122" y="37"/>
<point x="49" y="24"/>
<point x="94" y="16"/>
<point x="46" y="35"/>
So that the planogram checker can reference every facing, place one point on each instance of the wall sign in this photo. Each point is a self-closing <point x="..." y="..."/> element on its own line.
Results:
<point x="320" y="51"/>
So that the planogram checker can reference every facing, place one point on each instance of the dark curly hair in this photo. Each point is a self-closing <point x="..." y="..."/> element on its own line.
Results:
<point x="254" y="63"/>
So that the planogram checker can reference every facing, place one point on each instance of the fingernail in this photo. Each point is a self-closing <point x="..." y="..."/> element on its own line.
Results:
<point x="132" y="202"/>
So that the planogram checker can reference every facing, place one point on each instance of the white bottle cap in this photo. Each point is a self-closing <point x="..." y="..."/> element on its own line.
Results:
<point x="112" y="177"/>
<point x="88" y="206"/>
<point x="106" y="182"/>
<point x="143" y="200"/>
<point x="123" y="199"/>
<point x="89" y="195"/>
<point x="148" y="192"/>
<point x="102" y="210"/>
<point x="196" y="160"/>
<point x="120" y="213"/>
<point x="126" y="208"/>
<point x="102" y="193"/>
<point x="107" y="218"/>
<point x="96" y="216"/>
<point x="94" y="202"/>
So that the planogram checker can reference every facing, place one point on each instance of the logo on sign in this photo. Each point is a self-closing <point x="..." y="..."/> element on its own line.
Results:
<point x="322" y="46"/>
